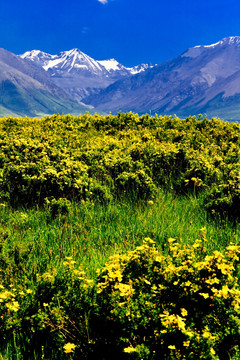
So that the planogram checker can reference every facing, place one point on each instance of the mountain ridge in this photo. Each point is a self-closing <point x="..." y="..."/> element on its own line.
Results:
<point x="184" y="85"/>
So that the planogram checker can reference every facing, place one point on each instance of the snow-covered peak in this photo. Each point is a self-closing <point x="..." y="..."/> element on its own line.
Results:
<point x="31" y="54"/>
<point x="64" y="61"/>
<point x="37" y="56"/>
<point x="75" y="61"/>
<point x="231" y="40"/>
<point x="139" y="68"/>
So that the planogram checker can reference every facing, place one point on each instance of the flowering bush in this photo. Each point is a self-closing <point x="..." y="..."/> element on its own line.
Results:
<point x="53" y="316"/>
<point x="182" y="305"/>
<point x="101" y="157"/>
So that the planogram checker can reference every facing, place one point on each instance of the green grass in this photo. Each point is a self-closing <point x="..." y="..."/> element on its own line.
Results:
<point x="34" y="241"/>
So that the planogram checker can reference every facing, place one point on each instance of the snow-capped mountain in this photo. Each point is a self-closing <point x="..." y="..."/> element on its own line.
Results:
<point x="76" y="61"/>
<point x="204" y="79"/>
<point x="78" y="73"/>
<point x="26" y="89"/>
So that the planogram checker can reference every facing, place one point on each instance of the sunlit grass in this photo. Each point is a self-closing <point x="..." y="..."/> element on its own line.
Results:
<point x="33" y="241"/>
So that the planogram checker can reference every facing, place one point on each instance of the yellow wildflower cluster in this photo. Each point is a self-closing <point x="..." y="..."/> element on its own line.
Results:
<point x="173" y="297"/>
<point x="7" y="298"/>
<point x="69" y="263"/>
<point x="172" y="320"/>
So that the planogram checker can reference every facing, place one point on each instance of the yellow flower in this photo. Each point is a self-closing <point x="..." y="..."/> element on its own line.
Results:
<point x="148" y="240"/>
<point x="147" y="282"/>
<point x="224" y="292"/>
<point x="184" y="312"/>
<point x="129" y="349"/>
<point x="205" y="295"/>
<point x="172" y="347"/>
<point x="232" y="247"/>
<point x="180" y="323"/>
<point x="213" y="352"/>
<point x="125" y="289"/>
<point x="14" y="306"/>
<point x="212" y="281"/>
<point x="69" y="347"/>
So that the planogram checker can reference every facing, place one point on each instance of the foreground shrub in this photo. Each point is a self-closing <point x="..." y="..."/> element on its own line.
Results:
<point x="180" y="304"/>
<point x="61" y="206"/>
<point x="51" y="319"/>
<point x="183" y="305"/>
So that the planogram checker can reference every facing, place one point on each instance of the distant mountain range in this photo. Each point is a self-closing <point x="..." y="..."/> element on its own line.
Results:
<point x="204" y="79"/>
<point x="78" y="74"/>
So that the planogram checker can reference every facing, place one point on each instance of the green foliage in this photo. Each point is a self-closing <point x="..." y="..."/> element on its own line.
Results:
<point x="138" y="185"/>
<point x="52" y="315"/>
<point x="61" y="206"/>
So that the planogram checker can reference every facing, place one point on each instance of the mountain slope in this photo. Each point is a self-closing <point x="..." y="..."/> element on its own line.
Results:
<point x="79" y="74"/>
<point x="199" y="80"/>
<point x="25" y="89"/>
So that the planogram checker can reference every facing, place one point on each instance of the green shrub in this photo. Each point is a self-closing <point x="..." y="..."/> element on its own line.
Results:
<point x="99" y="192"/>
<point x="137" y="185"/>
<point x="57" y="207"/>
<point x="54" y="316"/>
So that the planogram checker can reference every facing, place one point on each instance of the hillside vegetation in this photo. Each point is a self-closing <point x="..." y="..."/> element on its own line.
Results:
<point x="99" y="217"/>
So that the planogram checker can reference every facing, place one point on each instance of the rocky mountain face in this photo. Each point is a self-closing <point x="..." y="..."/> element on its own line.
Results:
<point x="78" y="74"/>
<point x="204" y="79"/>
<point x="26" y="89"/>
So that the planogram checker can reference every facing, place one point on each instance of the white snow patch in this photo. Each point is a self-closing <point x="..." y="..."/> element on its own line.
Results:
<point x="110" y="64"/>
<point x="30" y="54"/>
<point x="229" y="40"/>
<point x="52" y="63"/>
<point x="79" y="66"/>
<point x="139" y="68"/>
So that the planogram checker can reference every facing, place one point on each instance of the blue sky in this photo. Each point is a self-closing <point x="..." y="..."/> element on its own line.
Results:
<point x="131" y="31"/>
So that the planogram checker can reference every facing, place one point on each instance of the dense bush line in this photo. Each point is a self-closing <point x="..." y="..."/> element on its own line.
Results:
<point x="101" y="157"/>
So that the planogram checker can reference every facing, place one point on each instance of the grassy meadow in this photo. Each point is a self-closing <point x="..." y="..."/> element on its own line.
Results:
<point x="119" y="237"/>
